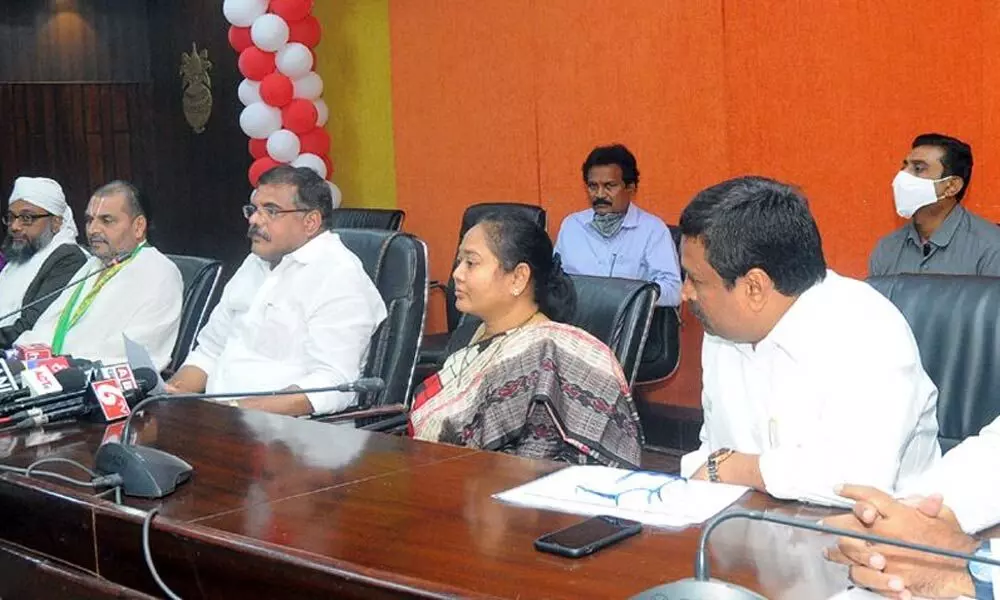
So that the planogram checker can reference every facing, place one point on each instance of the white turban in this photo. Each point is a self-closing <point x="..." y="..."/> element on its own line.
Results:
<point x="46" y="194"/>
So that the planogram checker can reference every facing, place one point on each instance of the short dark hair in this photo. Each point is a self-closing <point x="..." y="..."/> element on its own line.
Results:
<point x="615" y="154"/>
<point x="311" y="190"/>
<point x="137" y="204"/>
<point x="516" y="239"/>
<point x="755" y="222"/>
<point x="957" y="158"/>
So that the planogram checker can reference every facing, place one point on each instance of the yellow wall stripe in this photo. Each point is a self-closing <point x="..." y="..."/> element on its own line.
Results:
<point x="353" y="60"/>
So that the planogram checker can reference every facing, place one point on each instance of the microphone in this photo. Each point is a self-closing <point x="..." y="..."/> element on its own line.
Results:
<point x="9" y="372"/>
<point x="73" y="381"/>
<point x="58" y="291"/>
<point x="150" y="473"/>
<point x="101" y="401"/>
<point x="703" y="587"/>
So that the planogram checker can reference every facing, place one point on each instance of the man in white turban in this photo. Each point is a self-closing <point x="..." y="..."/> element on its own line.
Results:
<point x="41" y="251"/>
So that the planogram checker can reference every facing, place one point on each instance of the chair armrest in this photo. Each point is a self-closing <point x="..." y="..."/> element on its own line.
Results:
<point x="351" y="414"/>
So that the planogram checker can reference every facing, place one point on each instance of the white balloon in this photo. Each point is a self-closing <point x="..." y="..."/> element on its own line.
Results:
<point x="294" y="60"/>
<point x="249" y="92"/>
<point x="323" y="112"/>
<point x="283" y="146"/>
<point x="335" y="194"/>
<point x="309" y="87"/>
<point x="311" y="161"/>
<point x="242" y="13"/>
<point x="269" y="33"/>
<point x="260" y="120"/>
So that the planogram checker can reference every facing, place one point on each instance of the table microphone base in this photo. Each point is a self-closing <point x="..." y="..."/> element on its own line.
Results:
<point x="146" y="472"/>
<point x="693" y="589"/>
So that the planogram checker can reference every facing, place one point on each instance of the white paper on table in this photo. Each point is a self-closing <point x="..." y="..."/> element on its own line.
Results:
<point x="645" y="496"/>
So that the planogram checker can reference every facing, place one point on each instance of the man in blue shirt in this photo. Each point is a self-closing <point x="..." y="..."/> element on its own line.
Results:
<point x="616" y="238"/>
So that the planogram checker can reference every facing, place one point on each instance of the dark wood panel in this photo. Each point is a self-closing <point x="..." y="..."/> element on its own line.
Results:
<point x="74" y="40"/>
<point x="43" y="578"/>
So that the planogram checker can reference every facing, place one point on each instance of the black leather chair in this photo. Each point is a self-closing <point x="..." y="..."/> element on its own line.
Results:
<point x="662" y="353"/>
<point x="616" y="311"/>
<point x="201" y="277"/>
<point x="368" y="218"/>
<point x="433" y="350"/>
<point x="397" y="263"/>
<point x="956" y="322"/>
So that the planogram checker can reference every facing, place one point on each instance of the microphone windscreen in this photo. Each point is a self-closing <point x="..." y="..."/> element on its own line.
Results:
<point x="71" y="379"/>
<point x="369" y="384"/>
<point x="15" y="366"/>
<point x="145" y="379"/>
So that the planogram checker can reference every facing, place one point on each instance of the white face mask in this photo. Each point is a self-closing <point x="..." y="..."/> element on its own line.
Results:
<point x="912" y="193"/>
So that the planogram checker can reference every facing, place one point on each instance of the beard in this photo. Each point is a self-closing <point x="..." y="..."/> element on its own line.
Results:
<point x="20" y="251"/>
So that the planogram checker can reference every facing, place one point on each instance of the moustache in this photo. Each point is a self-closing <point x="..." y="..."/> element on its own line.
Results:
<point x="97" y="239"/>
<point x="258" y="233"/>
<point x="600" y="202"/>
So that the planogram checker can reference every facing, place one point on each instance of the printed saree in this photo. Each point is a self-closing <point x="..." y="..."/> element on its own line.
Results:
<point x="548" y="391"/>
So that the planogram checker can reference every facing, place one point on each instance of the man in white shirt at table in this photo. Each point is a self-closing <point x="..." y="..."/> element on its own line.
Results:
<point x="810" y="379"/>
<point x="298" y="314"/>
<point x="135" y="290"/>
<point x="958" y="497"/>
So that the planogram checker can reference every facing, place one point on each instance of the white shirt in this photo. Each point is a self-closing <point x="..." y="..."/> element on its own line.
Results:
<point x="307" y="322"/>
<point x="834" y="394"/>
<point x="143" y="301"/>
<point x="968" y="477"/>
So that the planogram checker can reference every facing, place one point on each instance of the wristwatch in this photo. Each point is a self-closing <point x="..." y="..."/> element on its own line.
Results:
<point x="982" y="573"/>
<point x="714" y="460"/>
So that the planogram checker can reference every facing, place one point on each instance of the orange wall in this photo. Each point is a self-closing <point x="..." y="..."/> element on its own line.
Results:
<point x="498" y="100"/>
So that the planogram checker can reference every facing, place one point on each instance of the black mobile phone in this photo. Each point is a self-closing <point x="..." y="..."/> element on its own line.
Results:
<point x="587" y="537"/>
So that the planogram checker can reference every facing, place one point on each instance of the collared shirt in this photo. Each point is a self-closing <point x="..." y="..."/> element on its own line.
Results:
<point x="643" y="249"/>
<point x="307" y="322"/>
<point x="834" y="394"/>
<point x="143" y="301"/>
<point x="964" y="244"/>
<point x="968" y="477"/>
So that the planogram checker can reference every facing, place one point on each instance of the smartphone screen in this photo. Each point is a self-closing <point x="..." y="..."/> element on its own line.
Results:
<point x="588" y="536"/>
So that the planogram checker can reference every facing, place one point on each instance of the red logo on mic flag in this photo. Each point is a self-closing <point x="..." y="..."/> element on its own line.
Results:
<point x="111" y="399"/>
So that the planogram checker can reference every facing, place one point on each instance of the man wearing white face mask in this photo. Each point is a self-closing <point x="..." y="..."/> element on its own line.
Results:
<point x="942" y="236"/>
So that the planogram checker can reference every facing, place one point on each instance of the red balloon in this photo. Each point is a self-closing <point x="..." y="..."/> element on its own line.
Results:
<point x="329" y="165"/>
<point x="261" y="166"/>
<point x="316" y="142"/>
<point x="277" y="90"/>
<point x="306" y="31"/>
<point x="258" y="148"/>
<point x="255" y="64"/>
<point x="291" y="10"/>
<point x="299" y="116"/>
<point x="239" y="38"/>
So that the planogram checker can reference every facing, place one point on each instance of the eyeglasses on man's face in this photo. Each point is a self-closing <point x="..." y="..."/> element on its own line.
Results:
<point x="25" y="219"/>
<point x="269" y="212"/>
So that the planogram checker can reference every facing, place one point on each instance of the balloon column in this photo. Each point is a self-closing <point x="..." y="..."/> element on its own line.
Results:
<point x="284" y="114"/>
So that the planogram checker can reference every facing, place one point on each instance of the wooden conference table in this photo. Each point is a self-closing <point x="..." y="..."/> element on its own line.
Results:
<point x="285" y="508"/>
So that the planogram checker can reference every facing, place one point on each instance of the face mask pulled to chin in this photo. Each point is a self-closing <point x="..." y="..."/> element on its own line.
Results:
<point x="911" y="193"/>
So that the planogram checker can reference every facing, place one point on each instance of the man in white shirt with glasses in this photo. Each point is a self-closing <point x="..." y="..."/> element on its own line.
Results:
<point x="299" y="313"/>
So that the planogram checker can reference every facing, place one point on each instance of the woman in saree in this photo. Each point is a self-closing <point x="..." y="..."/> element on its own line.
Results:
<point x="525" y="382"/>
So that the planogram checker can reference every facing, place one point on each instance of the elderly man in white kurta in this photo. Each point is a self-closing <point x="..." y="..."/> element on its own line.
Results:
<point x="298" y="314"/>
<point x="41" y="251"/>
<point x="134" y="289"/>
